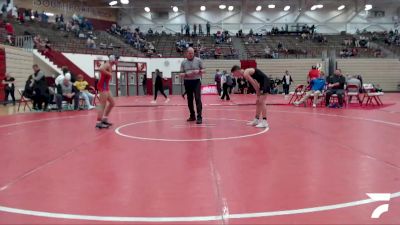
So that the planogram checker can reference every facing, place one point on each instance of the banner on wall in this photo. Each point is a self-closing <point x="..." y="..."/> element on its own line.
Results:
<point x="88" y="9"/>
<point x="210" y="89"/>
<point x="142" y="67"/>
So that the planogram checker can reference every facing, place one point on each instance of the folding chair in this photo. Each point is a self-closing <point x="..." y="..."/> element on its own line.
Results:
<point x="320" y="95"/>
<point x="352" y="90"/>
<point x="374" y="96"/>
<point x="371" y="94"/>
<point x="297" y="93"/>
<point x="23" y="100"/>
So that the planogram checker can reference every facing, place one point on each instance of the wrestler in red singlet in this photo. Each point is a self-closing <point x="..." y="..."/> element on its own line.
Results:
<point x="104" y="93"/>
<point x="104" y="82"/>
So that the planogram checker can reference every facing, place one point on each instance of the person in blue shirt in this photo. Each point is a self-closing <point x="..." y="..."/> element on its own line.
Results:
<point x="317" y="86"/>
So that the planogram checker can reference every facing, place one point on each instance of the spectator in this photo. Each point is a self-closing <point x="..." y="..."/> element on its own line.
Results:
<point x="208" y="27"/>
<point x="9" y="28"/>
<point x="151" y="47"/>
<point x="90" y="43"/>
<point x="240" y="33"/>
<point x="217" y="79"/>
<point x="187" y="28"/>
<point x="242" y="84"/>
<point x="322" y="75"/>
<point x="159" y="87"/>
<point x="67" y="92"/>
<point x="267" y="52"/>
<point x="280" y="45"/>
<point x="313" y="73"/>
<point x="286" y="81"/>
<point x="229" y="40"/>
<point x="38" y="42"/>
<point x="317" y="86"/>
<point x="9" y="88"/>
<point x="40" y="89"/>
<point x="4" y="11"/>
<point x="36" y="15"/>
<point x="378" y="53"/>
<point x="83" y="87"/>
<point x="335" y="86"/>
<point x="227" y="83"/>
<point x="144" y="83"/>
<point x="68" y="74"/>
<point x="312" y="29"/>
<point x="200" y="30"/>
<point x="353" y="80"/>
<point x="28" y="90"/>
<point x="218" y="52"/>
<point x="47" y="45"/>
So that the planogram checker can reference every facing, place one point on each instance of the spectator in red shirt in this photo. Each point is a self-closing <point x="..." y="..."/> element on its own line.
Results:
<point x="9" y="29"/>
<point x="218" y="52"/>
<point x="313" y="73"/>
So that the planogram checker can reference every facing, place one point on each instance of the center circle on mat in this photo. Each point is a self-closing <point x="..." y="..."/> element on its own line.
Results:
<point x="210" y="130"/>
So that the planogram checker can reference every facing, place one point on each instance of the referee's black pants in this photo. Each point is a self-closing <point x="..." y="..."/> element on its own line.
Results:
<point x="193" y="90"/>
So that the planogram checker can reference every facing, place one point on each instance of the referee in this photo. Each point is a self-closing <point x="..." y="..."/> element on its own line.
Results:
<point x="191" y="70"/>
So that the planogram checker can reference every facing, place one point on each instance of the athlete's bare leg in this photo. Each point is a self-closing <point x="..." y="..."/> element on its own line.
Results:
<point x="263" y="106"/>
<point x="110" y="105"/>
<point x="103" y="102"/>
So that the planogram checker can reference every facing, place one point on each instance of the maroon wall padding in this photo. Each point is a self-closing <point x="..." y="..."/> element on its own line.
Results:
<point x="244" y="64"/>
<point x="149" y="85"/>
<point x="2" y="71"/>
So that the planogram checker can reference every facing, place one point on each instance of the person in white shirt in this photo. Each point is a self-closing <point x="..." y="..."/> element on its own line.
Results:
<point x="286" y="81"/>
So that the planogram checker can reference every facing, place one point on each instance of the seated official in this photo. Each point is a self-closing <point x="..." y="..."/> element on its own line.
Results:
<point x="335" y="86"/>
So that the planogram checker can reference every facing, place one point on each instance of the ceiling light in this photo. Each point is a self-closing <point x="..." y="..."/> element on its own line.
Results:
<point x="147" y="9"/>
<point x="230" y="8"/>
<point x="258" y="8"/>
<point x="124" y="2"/>
<point x="314" y="7"/>
<point x="49" y="14"/>
<point x="286" y="8"/>
<point x="175" y="9"/>
<point x="341" y="7"/>
<point x="368" y="7"/>
<point x="222" y="6"/>
<point x="113" y="3"/>
<point x="320" y="6"/>
<point x="202" y="8"/>
<point x="272" y="6"/>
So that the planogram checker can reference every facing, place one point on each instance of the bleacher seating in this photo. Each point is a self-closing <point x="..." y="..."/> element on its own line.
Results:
<point x="67" y="42"/>
<point x="298" y="48"/>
